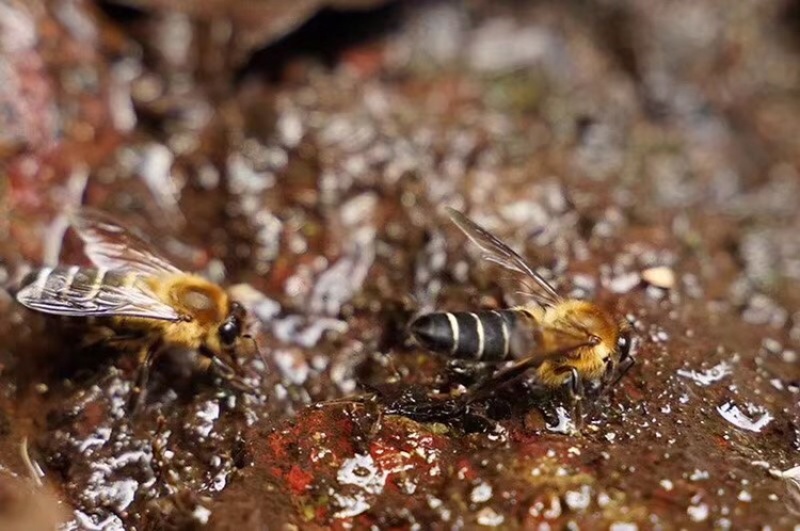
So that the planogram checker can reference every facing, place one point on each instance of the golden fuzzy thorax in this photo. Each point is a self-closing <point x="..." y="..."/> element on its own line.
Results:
<point x="203" y="304"/>
<point x="590" y="361"/>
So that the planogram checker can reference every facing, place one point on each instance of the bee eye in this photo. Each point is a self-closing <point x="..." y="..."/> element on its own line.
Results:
<point x="228" y="332"/>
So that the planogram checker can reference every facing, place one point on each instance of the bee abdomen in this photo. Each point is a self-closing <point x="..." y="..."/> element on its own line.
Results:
<point x="483" y="335"/>
<point x="52" y="281"/>
<point x="66" y="280"/>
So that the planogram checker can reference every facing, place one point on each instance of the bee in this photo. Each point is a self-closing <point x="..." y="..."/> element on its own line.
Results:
<point x="133" y="299"/>
<point x="563" y="342"/>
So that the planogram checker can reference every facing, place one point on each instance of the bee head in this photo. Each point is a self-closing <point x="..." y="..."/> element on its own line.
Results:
<point x="224" y="347"/>
<point x="231" y="328"/>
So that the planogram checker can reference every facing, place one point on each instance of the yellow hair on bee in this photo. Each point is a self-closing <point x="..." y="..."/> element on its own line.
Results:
<point x="589" y="360"/>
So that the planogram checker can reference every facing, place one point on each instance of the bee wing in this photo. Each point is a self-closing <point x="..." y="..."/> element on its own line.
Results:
<point x="498" y="252"/>
<point x="110" y="245"/>
<point x="56" y="292"/>
<point x="544" y="342"/>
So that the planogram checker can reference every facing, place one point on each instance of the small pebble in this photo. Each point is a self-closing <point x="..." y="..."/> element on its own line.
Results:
<point x="481" y="493"/>
<point x="624" y="283"/>
<point x="489" y="518"/>
<point x="660" y="277"/>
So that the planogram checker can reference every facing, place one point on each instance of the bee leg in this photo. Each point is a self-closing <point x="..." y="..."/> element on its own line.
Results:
<point x="515" y="371"/>
<point x="577" y="394"/>
<point x="609" y="378"/>
<point x="500" y="379"/>
<point x="425" y="411"/>
<point x="378" y="423"/>
<point x="468" y="372"/>
<point x="229" y="375"/>
<point x="205" y="365"/>
<point x="373" y="410"/>
<point x="146" y="358"/>
<point x="609" y="375"/>
<point x="623" y="367"/>
<point x="613" y="374"/>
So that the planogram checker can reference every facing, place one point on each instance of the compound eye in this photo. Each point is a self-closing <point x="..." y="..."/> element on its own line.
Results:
<point x="228" y="332"/>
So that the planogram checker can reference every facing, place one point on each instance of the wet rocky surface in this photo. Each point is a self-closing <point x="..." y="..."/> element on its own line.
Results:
<point x="302" y="154"/>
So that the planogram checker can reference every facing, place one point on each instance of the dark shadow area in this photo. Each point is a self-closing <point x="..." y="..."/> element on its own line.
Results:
<point x="323" y="37"/>
<point x="121" y="14"/>
<point x="789" y="18"/>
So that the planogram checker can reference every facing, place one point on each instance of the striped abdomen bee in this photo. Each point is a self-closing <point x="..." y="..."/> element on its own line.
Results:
<point x="133" y="299"/>
<point x="562" y="341"/>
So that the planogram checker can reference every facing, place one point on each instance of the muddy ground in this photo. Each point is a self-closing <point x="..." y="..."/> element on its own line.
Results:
<point x="303" y="153"/>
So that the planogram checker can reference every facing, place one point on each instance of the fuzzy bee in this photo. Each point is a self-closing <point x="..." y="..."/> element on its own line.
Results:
<point x="561" y="341"/>
<point x="135" y="300"/>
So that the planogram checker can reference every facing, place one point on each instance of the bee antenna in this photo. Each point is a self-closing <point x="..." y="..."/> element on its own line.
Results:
<point x="255" y="347"/>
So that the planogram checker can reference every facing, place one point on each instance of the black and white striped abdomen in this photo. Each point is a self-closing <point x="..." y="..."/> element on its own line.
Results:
<point x="483" y="335"/>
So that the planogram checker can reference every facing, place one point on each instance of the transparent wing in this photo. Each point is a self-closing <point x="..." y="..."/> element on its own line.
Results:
<point x="58" y="293"/>
<point x="547" y="344"/>
<point x="109" y="244"/>
<point x="530" y="339"/>
<point x="498" y="252"/>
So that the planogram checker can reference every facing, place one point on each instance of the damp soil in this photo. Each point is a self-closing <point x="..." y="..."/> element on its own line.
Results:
<point x="644" y="156"/>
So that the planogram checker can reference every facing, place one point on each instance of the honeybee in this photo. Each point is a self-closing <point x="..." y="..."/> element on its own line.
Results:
<point x="563" y="342"/>
<point x="135" y="300"/>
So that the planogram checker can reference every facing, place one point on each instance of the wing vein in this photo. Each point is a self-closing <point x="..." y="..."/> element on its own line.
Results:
<point x="79" y="299"/>
<point x="108" y="244"/>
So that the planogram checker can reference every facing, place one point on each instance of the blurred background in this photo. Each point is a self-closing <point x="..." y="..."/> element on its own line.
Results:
<point x="642" y="154"/>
